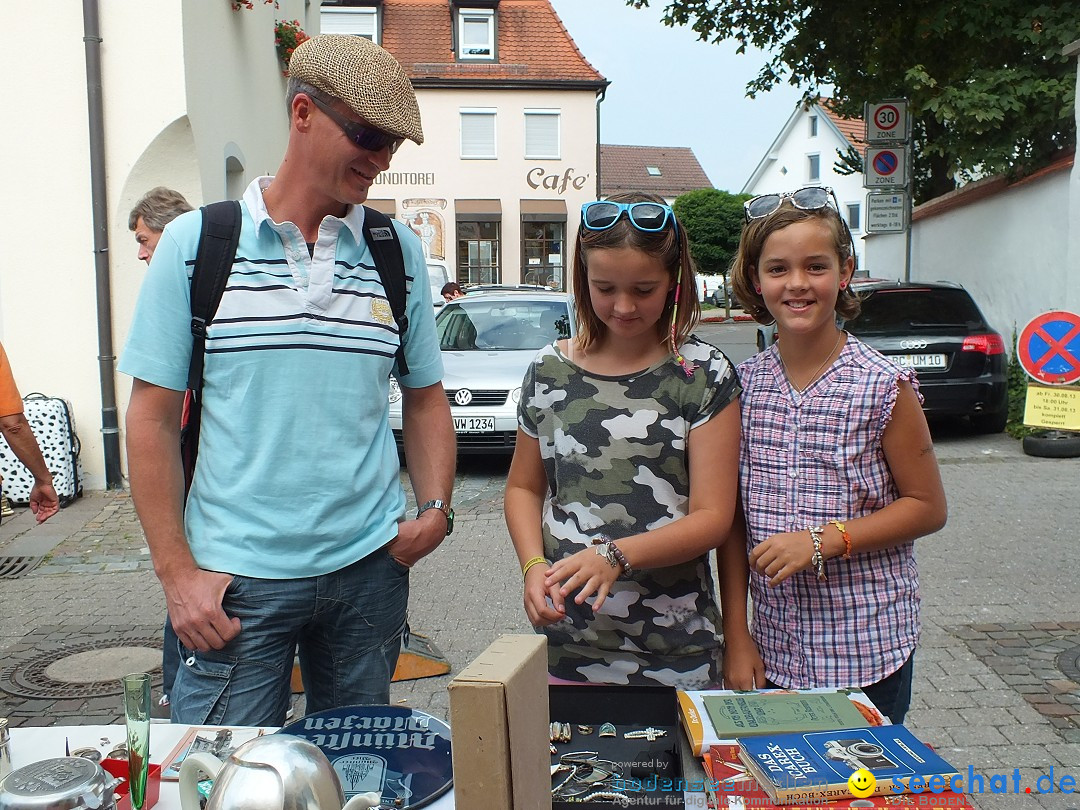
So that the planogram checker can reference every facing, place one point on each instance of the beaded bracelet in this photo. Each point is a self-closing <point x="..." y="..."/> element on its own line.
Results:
<point x="616" y="552"/>
<point x="817" y="560"/>
<point x="534" y="561"/>
<point x="844" y="536"/>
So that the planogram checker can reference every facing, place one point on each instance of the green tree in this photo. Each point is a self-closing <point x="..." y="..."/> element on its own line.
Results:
<point x="713" y="220"/>
<point x="989" y="88"/>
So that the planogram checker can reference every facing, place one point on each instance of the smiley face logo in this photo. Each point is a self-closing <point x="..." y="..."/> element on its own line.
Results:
<point x="861" y="783"/>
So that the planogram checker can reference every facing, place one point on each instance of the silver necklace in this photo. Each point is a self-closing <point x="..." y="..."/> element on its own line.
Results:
<point x="820" y="368"/>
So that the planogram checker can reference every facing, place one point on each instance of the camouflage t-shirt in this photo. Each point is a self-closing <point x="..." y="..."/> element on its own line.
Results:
<point x="614" y="450"/>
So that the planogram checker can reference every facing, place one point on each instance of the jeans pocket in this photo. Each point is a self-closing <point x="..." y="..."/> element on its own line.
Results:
<point x="200" y="695"/>
<point x="395" y="565"/>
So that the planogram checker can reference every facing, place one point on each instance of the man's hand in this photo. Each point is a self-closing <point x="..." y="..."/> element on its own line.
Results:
<point x="195" y="610"/>
<point x="43" y="500"/>
<point x="418" y="538"/>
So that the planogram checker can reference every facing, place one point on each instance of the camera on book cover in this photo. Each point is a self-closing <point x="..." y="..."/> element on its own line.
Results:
<point x="858" y="754"/>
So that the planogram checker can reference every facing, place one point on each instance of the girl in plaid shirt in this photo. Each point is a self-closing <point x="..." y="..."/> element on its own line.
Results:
<point x="837" y="469"/>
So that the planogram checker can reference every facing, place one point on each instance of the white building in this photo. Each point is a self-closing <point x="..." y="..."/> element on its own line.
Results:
<point x="805" y="153"/>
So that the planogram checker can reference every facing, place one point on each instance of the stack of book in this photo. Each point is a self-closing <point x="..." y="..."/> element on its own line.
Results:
<point x="793" y="748"/>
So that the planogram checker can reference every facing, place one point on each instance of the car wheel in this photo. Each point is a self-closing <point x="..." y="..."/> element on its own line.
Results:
<point x="993" y="422"/>
<point x="1055" y="444"/>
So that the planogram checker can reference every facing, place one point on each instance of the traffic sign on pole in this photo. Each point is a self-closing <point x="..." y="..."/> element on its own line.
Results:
<point x="886" y="211"/>
<point x="886" y="121"/>
<point x="1049" y="348"/>
<point x="885" y="167"/>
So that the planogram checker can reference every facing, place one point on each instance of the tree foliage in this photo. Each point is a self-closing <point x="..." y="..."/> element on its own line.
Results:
<point x="713" y="220"/>
<point x="989" y="88"/>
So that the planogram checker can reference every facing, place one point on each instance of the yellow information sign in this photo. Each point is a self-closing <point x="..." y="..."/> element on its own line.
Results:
<point x="1057" y="407"/>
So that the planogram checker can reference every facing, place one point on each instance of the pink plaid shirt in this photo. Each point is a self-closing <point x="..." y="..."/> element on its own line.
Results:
<point x="808" y="458"/>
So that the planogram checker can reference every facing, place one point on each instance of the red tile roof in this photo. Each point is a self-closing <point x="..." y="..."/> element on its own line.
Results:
<point x="533" y="48"/>
<point x="854" y="129"/>
<point x="623" y="168"/>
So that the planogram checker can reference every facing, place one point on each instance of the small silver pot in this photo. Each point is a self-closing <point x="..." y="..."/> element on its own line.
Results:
<point x="64" y="783"/>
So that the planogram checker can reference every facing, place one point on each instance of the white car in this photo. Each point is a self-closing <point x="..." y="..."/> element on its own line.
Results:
<point x="438" y="274"/>
<point x="488" y="340"/>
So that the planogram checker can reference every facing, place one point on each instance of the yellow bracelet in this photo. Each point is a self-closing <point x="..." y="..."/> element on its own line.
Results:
<point x="534" y="561"/>
<point x="840" y="527"/>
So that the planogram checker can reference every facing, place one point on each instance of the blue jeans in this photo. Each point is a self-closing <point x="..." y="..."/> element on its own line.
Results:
<point x="347" y="624"/>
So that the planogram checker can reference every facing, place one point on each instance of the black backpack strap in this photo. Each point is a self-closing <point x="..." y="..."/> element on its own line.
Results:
<point x="213" y="262"/>
<point x="382" y="239"/>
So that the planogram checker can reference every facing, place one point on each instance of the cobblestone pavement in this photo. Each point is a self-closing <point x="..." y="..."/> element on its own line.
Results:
<point x="996" y="673"/>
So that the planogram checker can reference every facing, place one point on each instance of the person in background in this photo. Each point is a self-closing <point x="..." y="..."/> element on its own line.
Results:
<point x="44" y="502"/>
<point x="837" y="475"/>
<point x="294" y="538"/>
<point x="154" y="210"/>
<point x="625" y="472"/>
<point x="451" y="290"/>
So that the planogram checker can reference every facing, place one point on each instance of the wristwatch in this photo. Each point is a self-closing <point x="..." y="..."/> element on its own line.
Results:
<point x="443" y="507"/>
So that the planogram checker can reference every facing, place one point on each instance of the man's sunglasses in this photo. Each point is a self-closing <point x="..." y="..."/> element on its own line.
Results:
<point x="649" y="217"/>
<point x="808" y="198"/>
<point x="370" y="138"/>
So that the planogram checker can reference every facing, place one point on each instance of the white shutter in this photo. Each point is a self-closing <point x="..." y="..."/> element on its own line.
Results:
<point x="477" y="134"/>
<point x="361" y="22"/>
<point x="542" y="134"/>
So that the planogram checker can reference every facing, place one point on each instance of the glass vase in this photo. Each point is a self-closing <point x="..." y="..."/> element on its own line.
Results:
<point x="137" y="718"/>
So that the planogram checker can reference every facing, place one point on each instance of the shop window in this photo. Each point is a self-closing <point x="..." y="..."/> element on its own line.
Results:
<point x="478" y="134"/>
<point x="478" y="252"/>
<point x="542" y="260"/>
<point x="542" y="134"/>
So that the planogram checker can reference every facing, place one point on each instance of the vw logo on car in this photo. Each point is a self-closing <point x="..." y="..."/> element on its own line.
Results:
<point x="463" y="396"/>
<point x="913" y="344"/>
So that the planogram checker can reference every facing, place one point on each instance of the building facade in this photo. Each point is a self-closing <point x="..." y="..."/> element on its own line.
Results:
<point x="510" y="114"/>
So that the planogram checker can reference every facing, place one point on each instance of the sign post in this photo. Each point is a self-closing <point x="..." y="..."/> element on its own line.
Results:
<point x="887" y="170"/>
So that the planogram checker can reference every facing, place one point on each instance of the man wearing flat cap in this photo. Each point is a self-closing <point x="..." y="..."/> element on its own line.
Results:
<point x="294" y="532"/>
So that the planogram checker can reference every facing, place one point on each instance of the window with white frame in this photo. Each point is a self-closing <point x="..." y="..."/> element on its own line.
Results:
<point x="854" y="216"/>
<point x="361" y="21"/>
<point x="813" y="126"/>
<point x="814" y="167"/>
<point x="542" y="134"/>
<point x="478" y="133"/>
<point x="653" y="171"/>
<point x="476" y="33"/>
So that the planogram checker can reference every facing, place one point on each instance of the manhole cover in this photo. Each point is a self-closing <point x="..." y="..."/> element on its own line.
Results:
<point x="15" y="567"/>
<point x="89" y="669"/>
<point x="1069" y="663"/>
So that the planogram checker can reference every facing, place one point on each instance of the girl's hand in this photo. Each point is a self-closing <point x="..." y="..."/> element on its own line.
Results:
<point x="586" y="571"/>
<point x="743" y="667"/>
<point x="782" y="556"/>
<point x="540" y="611"/>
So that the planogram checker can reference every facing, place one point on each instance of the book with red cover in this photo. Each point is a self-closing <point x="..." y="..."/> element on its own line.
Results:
<point x="730" y="787"/>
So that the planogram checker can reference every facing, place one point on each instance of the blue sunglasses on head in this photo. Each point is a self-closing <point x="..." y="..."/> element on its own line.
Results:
<point x="649" y="217"/>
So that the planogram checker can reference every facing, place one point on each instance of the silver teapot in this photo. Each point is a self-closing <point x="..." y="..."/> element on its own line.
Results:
<point x="275" y="772"/>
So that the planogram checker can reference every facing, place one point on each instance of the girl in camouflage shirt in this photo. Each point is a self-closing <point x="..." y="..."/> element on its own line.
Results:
<point x="625" y="471"/>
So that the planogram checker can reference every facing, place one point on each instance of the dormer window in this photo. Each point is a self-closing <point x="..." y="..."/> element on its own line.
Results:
<point x="476" y="34"/>
<point x="355" y="17"/>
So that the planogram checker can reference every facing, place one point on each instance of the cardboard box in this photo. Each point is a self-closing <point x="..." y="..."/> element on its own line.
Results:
<point x="499" y="727"/>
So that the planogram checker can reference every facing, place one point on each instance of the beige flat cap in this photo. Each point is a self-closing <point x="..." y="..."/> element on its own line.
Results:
<point x="364" y="76"/>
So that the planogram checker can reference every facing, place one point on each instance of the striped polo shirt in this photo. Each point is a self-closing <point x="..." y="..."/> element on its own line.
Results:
<point x="297" y="473"/>
<point x="807" y="458"/>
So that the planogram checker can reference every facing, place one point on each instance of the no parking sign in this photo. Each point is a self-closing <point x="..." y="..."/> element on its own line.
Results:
<point x="1049" y="351"/>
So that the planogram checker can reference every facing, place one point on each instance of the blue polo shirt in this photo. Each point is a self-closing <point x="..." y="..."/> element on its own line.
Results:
<point x="297" y="472"/>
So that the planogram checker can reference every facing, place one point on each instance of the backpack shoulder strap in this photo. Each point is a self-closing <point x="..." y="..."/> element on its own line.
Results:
<point x="213" y="262"/>
<point x="385" y="247"/>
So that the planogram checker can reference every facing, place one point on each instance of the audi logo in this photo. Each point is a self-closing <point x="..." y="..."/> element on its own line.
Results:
<point x="913" y="344"/>
<point x="463" y="397"/>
